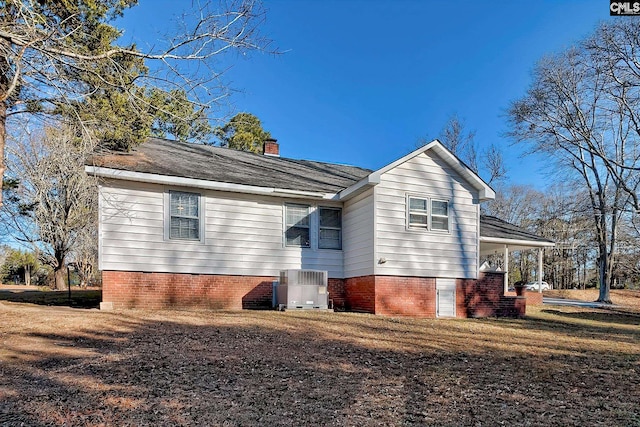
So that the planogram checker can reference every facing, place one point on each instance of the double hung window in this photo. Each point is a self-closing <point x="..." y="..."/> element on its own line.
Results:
<point x="439" y="215"/>
<point x="307" y="227"/>
<point x="427" y="214"/>
<point x="330" y="228"/>
<point x="185" y="216"/>
<point x="297" y="223"/>
<point x="418" y="213"/>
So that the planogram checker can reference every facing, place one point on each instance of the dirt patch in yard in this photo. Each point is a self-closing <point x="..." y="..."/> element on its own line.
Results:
<point x="557" y="367"/>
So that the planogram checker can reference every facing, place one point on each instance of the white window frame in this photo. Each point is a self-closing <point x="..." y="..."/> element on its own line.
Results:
<point x="432" y="215"/>
<point x="286" y="226"/>
<point x="320" y="227"/>
<point x="314" y="225"/>
<point x="424" y="213"/>
<point x="167" y="218"/>
<point x="428" y="213"/>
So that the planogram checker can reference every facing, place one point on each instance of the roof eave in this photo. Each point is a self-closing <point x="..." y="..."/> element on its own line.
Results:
<point x="359" y="187"/>
<point x="518" y="242"/>
<point x="110" y="173"/>
<point x="485" y="192"/>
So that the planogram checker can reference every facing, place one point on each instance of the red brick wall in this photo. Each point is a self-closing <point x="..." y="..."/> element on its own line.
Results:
<point x="385" y="295"/>
<point x="337" y="293"/>
<point x="485" y="297"/>
<point x="533" y="297"/>
<point x="360" y="294"/>
<point x="134" y="289"/>
<point x="405" y="296"/>
<point x="391" y="295"/>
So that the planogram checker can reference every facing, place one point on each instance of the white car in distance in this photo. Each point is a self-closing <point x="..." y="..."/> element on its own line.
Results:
<point x="533" y="286"/>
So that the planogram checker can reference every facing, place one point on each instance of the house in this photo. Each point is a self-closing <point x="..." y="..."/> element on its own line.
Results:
<point x="193" y="225"/>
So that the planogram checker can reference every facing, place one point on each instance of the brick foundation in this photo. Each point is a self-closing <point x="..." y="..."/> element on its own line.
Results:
<point x="405" y="296"/>
<point x="134" y="289"/>
<point x="485" y="297"/>
<point x="533" y="297"/>
<point x="360" y="294"/>
<point x="384" y="295"/>
<point x="336" y="293"/>
<point x="416" y="296"/>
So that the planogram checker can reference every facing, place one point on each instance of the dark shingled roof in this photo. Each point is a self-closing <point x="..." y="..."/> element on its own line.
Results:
<point x="164" y="157"/>
<point x="491" y="226"/>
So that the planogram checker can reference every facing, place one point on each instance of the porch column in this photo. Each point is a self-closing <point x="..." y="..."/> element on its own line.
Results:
<point x="540" y="267"/>
<point x="506" y="269"/>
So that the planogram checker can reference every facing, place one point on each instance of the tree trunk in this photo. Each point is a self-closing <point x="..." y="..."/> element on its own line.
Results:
<point x="603" y="266"/>
<point x="3" y="137"/>
<point x="59" y="271"/>
<point x="27" y="275"/>
<point x="60" y="278"/>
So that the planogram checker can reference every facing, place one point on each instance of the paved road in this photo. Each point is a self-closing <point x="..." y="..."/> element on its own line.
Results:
<point x="575" y="303"/>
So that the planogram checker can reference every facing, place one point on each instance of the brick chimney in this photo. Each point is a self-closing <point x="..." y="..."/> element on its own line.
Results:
<point x="271" y="147"/>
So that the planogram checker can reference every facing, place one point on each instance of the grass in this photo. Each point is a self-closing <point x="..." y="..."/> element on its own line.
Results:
<point x="560" y="366"/>
<point x="627" y="300"/>
<point x="80" y="298"/>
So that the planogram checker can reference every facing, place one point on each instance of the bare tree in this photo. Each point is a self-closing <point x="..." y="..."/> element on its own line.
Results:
<point x="84" y="256"/>
<point x="578" y="113"/>
<point x="55" y="56"/>
<point x="461" y="142"/>
<point x="51" y="204"/>
<point x="558" y="213"/>
<point x="515" y="204"/>
<point x="614" y="52"/>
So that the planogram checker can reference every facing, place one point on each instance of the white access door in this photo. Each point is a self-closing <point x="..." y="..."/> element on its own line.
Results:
<point x="445" y="297"/>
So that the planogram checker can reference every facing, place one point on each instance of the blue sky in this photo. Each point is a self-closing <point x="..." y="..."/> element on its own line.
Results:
<point x="361" y="81"/>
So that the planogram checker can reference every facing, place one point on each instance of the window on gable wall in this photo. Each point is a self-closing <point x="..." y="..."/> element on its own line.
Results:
<point x="418" y="214"/>
<point x="185" y="216"/>
<point x="439" y="215"/>
<point x="427" y="214"/>
<point x="297" y="226"/>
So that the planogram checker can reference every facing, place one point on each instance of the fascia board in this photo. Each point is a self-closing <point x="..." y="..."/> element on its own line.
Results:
<point x="485" y="191"/>
<point x="358" y="188"/>
<point x="103" y="172"/>
<point x="518" y="242"/>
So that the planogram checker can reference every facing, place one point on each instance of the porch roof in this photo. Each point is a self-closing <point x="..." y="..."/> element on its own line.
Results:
<point x="496" y="234"/>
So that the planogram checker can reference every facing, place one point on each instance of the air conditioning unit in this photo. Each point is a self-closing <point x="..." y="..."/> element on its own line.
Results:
<point x="303" y="289"/>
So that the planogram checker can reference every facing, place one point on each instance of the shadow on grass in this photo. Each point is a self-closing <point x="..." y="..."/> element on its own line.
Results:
<point x="79" y="298"/>
<point x="267" y="368"/>
<point x="611" y="317"/>
<point x="579" y="324"/>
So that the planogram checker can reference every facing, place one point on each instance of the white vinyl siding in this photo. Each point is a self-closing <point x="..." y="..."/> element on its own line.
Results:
<point x="243" y="235"/>
<point x="420" y="251"/>
<point x="358" y="235"/>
